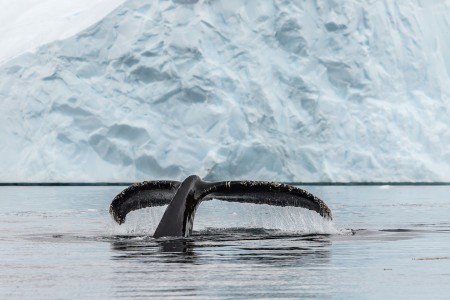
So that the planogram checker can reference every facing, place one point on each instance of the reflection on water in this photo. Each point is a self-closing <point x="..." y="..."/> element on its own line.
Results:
<point x="288" y="248"/>
<point x="145" y="247"/>
<point x="213" y="264"/>
<point x="59" y="242"/>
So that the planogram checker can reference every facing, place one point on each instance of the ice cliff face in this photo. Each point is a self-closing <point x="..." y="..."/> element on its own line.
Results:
<point x="278" y="90"/>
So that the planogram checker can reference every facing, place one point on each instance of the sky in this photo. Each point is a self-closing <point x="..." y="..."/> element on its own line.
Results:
<point x="27" y="24"/>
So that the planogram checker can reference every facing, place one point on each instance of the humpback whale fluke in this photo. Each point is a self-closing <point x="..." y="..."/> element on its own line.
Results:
<point x="184" y="197"/>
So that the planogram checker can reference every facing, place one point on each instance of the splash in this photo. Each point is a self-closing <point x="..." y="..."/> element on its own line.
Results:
<point x="227" y="215"/>
<point x="139" y="222"/>
<point x="286" y="219"/>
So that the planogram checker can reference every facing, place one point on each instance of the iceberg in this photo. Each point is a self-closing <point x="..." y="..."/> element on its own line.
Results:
<point x="310" y="91"/>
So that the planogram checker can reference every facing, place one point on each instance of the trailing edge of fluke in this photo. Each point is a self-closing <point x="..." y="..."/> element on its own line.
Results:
<point x="183" y="198"/>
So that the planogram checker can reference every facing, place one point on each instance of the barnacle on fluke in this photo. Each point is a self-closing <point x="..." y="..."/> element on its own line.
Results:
<point x="184" y="197"/>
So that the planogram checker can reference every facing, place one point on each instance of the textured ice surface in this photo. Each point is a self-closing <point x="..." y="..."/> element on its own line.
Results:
<point x="277" y="90"/>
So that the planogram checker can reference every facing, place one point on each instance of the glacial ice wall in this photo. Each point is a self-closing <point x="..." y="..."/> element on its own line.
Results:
<point x="278" y="90"/>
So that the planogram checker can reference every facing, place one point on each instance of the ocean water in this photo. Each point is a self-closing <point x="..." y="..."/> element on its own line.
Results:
<point x="386" y="242"/>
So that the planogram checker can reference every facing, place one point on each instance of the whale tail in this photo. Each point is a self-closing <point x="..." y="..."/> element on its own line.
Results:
<point x="183" y="198"/>
<point x="141" y="195"/>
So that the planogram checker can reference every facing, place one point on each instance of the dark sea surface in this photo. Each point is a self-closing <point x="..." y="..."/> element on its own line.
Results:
<point x="386" y="242"/>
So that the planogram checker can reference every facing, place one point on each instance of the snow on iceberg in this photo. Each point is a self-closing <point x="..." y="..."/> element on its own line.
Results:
<point x="277" y="90"/>
<point x="27" y="24"/>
